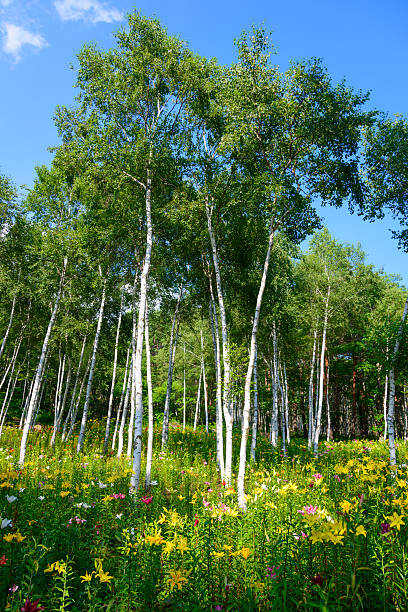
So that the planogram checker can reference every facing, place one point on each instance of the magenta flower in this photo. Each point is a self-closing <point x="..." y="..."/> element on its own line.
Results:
<point x="308" y="510"/>
<point x="385" y="527"/>
<point x="273" y="571"/>
<point x="32" y="606"/>
<point x="147" y="500"/>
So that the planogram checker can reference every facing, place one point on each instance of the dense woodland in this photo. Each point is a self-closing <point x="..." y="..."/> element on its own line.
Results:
<point x="153" y="273"/>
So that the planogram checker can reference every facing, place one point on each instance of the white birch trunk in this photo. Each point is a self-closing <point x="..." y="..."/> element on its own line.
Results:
<point x="166" y="413"/>
<point x="391" y="397"/>
<point x="124" y="413"/>
<point x="40" y="370"/>
<point x="225" y="350"/>
<point x="385" y="406"/>
<point x="321" y="379"/>
<point x="122" y="397"/>
<point x="311" y="412"/>
<point x="10" y="321"/>
<point x="184" y="388"/>
<point x="274" y="375"/>
<point x="204" y="382"/>
<point x="198" y="398"/>
<point x="149" y="450"/>
<point x="248" y="379"/>
<point x="328" y="433"/>
<point x="137" y="366"/>
<point x="218" y="380"/>
<point x="255" y="417"/>
<point x="72" y="404"/>
<point x="81" y="436"/>
<point x="132" y="389"/>
<point x="115" y="361"/>
<point x="78" y="401"/>
<point x="286" y="389"/>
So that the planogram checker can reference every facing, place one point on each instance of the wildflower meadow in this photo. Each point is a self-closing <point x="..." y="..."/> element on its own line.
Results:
<point x="327" y="533"/>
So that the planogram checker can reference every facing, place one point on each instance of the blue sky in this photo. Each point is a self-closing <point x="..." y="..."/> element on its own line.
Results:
<point x="362" y="41"/>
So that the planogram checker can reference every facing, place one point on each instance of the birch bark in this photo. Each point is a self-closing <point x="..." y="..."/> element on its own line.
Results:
<point x="149" y="450"/>
<point x="255" y="416"/>
<point x="115" y="361"/>
<point x="137" y="366"/>
<point x="391" y="397"/>
<point x="321" y="378"/>
<point x="40" y="370"/>
<point x="166" y="413"/>
<point x="81" y="437"/>
<point x="248" y="379"/>
<point x="225" y="349"/>
<point x="311" y="411"/>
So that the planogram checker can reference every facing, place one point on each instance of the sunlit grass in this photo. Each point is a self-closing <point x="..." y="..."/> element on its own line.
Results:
<point x="326" y="534"/>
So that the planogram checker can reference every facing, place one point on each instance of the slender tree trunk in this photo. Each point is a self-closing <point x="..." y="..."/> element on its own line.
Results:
<point x="81" y="436"/>
<point x="328" y="433"/>
<point x="320" y="404"/>
<point x="166" y="414"/>
<point x="115" y="361"/>
<point x="10" y="320"/>
<point x="75" y="409"/>
<point x="204" y="382"/>
<point x="225" y="349"/>
<point x="40" y="370"/>
<point x="248" y="379"/>
<point x="149" y="451"/>
<point x="311" y="415"/>
<point x="122" y="397"/>
<point x="286" y="389"/>
<point x="255" y="417"/>
<point x="124" y="413"/>
<point x="198" y="398"/>
<point x="184" y="387"/>
<point x="274" y="376"/>
<point x="137" y="366"/>
<point x="7" y="405"/>
<point x="385" y="406"/>
<point x="61" y="406"/>
<point x="218" y="379"/>
<point x="391" y="397"/>
<point x="133" y="388"/>
<point x="71" y="406"/>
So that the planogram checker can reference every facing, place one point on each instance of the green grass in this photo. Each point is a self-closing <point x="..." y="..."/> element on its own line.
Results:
<point x="190" y="548"/>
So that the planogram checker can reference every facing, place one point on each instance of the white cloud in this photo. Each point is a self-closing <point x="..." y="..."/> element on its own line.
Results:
<point x="5" y="2"/>
<point x="15" y="37"/>
<point x="86" y="10"/>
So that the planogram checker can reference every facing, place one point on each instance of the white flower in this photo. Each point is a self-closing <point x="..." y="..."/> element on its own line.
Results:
<point x="101" y="485"/>
<point x="119" y="516"/>
<point x="154" y="483"/>
<point x="21" y="490"/>
<point x="6" y="523"/>
<point x="82" y="505"/>
<point x="41" y="497"/>
<point x="11" y="498"/>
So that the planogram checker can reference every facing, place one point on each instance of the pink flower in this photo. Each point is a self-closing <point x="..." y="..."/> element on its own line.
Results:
<point x="317" y="476"/>
<point x="272" y="571"/>
<point x="14" y="588"/>
<point x="147" y="500"/>
<point x="308" y="510"/>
